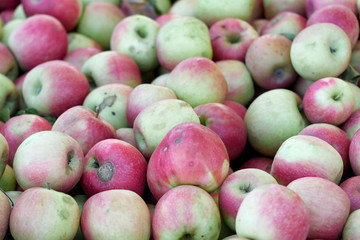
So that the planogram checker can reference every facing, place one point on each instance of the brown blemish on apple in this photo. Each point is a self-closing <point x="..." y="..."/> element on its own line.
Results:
<point x="178" y="140"/>
<point x="106" y="172"/>
<point x="64" y="214"/>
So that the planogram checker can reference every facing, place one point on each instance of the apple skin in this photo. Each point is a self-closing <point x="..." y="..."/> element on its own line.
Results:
<point x="161" y="79"/>
<point x="5" y="210"/>
<point x="184" y="8"/>
<point x="82" y="124"/>
<point x="319" y="43"/>
<point x="262" y="163"/>
<point x="351" y="186"/>
<point x="165" y="18"/>
<point x="54" y="86"/>
<point x="356" y="91"/>
<point x="312" y="6"/>
<point x="41" y="213"/>
<point x="126" y="135"/>
<point x="186" y="212"/>
<point x="236" y="187"/>
<point x="18" y="128"/>
<point x="4" y="154"/>
<point x="300" y="86"/>
<point x="258" y="24"/>
<point x="77" y="40"/>
<point x="227" y="124"/>
<point x="68" y="18"/>
<point x="8" y="65"/>
<point x="266" y="209"/>
<point x="237" y="107"/>
<point x="189" y="154"/>
<point x="106" y="16"/>
<point x="351" y="228"/>
<point x="231" y="38"/>
<point x="327" y="214"/>
<point x="352" y="124"/>
<point x="355" y="57"/>
<point x="333" y="135"/>
<point x="124" y="215"/>
<point x="79" y="56"/>
<point x="113" y="164"/>
<point x="354" y="154"/>
<point x="8" y="180"/>
<point x="339" y="15"/>
<point x="306" y="156"/>
<point x="328" y="100"/>
<point x="38" y="39"/>
<point x="262" y="130"/>
<point x="144" y="95"/>
<point x="9" y="97"/>
<point x="274" y="7"/>
<point x="198" y="80"/>
<point x="6" y="15"/>
<point x="182" y="38"/>
<point x="268" y="61"/>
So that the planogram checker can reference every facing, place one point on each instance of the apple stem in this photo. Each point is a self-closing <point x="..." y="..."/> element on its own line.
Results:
<point x="11" y="201"/>
<point x="47" y="185"/>
<point x="217" y="37"/>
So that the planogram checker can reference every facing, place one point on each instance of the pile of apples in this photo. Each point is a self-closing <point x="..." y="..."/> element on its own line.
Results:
<point x="187" y="119"/>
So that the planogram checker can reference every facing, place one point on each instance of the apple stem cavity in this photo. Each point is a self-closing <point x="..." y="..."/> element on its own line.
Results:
<point x="186" y="236"/>
<point x="107" y="102"/>
<point x="245" y="189"/>
<point x="233" y="39"/>
<point x="11" y="201"/>
<point x="337" y="96"/>
<point x="332" y="50"/>
<point x="141" y="32"/>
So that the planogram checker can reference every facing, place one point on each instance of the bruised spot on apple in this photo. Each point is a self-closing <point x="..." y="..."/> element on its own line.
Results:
<point x="105" y="171"/>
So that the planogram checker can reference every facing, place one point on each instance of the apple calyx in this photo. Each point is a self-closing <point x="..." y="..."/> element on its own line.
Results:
<point x="140" y="31"/>
<point x="11" y="201"/>
<point x="338" y="96"/>
<point x="186" y="236"/>
<point x="107" y="102"/>
<point x="233" y="39"/>
<point x="245" y="188"/>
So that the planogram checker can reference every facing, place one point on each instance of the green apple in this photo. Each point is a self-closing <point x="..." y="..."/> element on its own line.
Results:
<point x="9" y="28"/>
<point x="184" y="7"/>
<point x="9" y="98"/>
<point x="78" y="40"/>
<point x="8" y="180"/>
<point x="80" y="199"/>
<point x="19" y="12"/>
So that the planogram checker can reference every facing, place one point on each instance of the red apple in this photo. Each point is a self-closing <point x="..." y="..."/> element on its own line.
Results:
<point x="79" y="56"/>
<point x="5" y="210"/>
<point x="262" y="163"/>
<point x="351" y="186"/>
<point x="237" y="107"/>
<point x="312" y="6"/>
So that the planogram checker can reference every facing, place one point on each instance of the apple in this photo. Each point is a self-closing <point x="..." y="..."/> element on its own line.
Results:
<point x="9" y="98"/>
<point x="198" y="80"/>
<point x="144" y="95"/>
<point x="161" y="79"/>
<point x="237" y="107"/>
<point x="6" y="15"/>
<point x="182" y="38"/>
<point x="8" y="65"/>
<point x="126" y="135"/>
<point x="313" y="5"/>
<point x="113" y="164"/>
<point x="351" y="187"/>
<point x="14" y="195"/>
<point x="351" y="229"/>
<point x="111" y="67"/>
<point x="18" y="128"/>
<point x="98" y="21"/>
<point x="77" y="40"/>
<point x="19" y="12"/>
<point x="41" y="213"/>
<point x="8" y="180"/>
<point x="328" y="100"/>
<point x="135" y="36"/>
<point x="4" y="154"/>
<point x="355" y="56"/>
<point x="80" y="200"/>
<point x="79" y="56"/>
<point x="85" y="126"/>
<point x="40" y="38"/>
<point x="68" y="12"/>
<point x="18" y="84"/>
<point x="186" y="212"/>
<point x="274" y="7"/>
<point x="262" y="163"/>
<point x="231" y="38"/>
<point x="5" y="210"/>
<point x="317" y="44"/>
<point x="352" y="124"/>
<point x="268" y="61"/>
<point x="9" y="28"/>
<point x="306" y="156"/>
<point x="8" y="4"/>
<point x="184" y="8"/>
<point x="258" y="24"/>
<point x="301" y="85"/>
<point x="236" y="187"/>
<point x="354" y="154"/>
<point x="115" y="2"/>
<point x="165" y="18"/>
<point x="267" y="209"/>
<point x="339" y="15"/>
<point x="54" y="78"/>
<point x="123" y="214"/>
<point x="190" y="153"/>
<point x="226" y="123"/>
<point x="328" y="205"/>
<point x="273" y="110"/>
<point x="356" y="91"/>
<point x="155" y="121"/>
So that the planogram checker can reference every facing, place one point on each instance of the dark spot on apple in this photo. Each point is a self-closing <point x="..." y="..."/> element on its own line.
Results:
<point x="67" y="200"/>
<point x="63" y="214"/>
<point x="191" y="163"/>
<point x="158" y="185"/>
<point x="70" y="155"/>
<point x="105" y="93"/>
<point x="132" y="49"/>
<point x="223" y="26"/>
<point x="332" y="50"/>
<point x="106" y="172"/>
<point x="113" y="113"/>
<point x="245" y="188"/>
<point x="178" y="140"/>
<point x="38" y="88"/>
<point x="278" y="72"/>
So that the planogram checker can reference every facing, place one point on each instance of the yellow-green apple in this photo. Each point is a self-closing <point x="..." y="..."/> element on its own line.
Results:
<point x="77" y="40"/>
<point x="113" y="164"/>
<point x="9" y="4"/>
<point x="116" y="2"/>
<point x="265" y="210"/>
<point x="155" y="121"/>
<point x="356" y="91"/>
<point x="8" y="65"/>
<point x="79" y="56"/>
<point x="258" y="24"/>
<point x="313" y="5"/>
<point x="184" y="7"/>
<point x="354" y="154"/>
<point x="9" y="98"/>
<point x="19" y="12"/>
<point x="127" y="135"/>
<point x="262" y="163"/>
<point x="115" y="112"/>
<point x="98" y="21"/>
<point x="351" y="229"/>
<point x="111" y="67"/>
<point x="41" y="213"/>
<point x="54" y="78"/>
<point x="135" y="36"/>
<point x="288" y="24"/>
<point x="231" y="38"/>
<point x="318" y="43"/>
<point x="8" y="180"/>
<point x="355" y="56"/>
<point x="352" y="124"/>
<point x="328" y="100"/>
<point x="40" y="38"/>
<point x="85" y="126"/>
<point x="123" y="213"/>
<point x="351" y="186"/>
<point x="300" y="86"/>
<point x="236" y="187"/>
<point x="339" y="15"/>
<point x="263" y="131"/>
<point x="165" y="18"/>
<point x="226" y="123"/>
<point x="333" y="135"/>
<point x="5" y="210"/>
<point x="240" y="84"/>
<point x="9" y="28"/>
<point x="176" y="33"/>
<point x="274" y="7"/>
<point x="18" y="128"/>
<point x="4" y="154"/>
<point x="189" y="154"/>
<point x="211" y="11"/>
<point x="237" y="107"/>
<point x="328" y="204"/>
<point x="198" y="80"/>
<point x="54" y="158"/>
<point x="80" y="200"/>
<point x="306" y="156"/>
<point x="68" y="12"/>
<point x="268" y="61"/>
<point x="186" y="212"/>
<point x="144" y="95"/>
